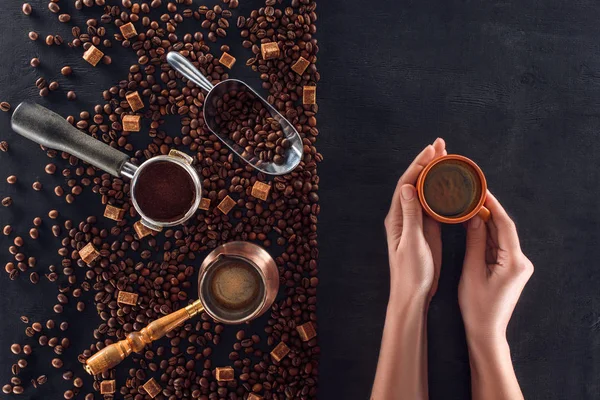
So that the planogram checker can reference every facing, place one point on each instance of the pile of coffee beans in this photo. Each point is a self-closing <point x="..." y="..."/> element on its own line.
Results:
<point x="161" y="267"/>
<point x="243" y="117"/>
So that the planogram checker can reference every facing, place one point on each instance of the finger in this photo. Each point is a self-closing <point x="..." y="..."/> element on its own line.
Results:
<point x="410" y="176"/>
<point x="439" y="145"/>
<point x="412" y="214"/>
<point x="476" y="245"/>
<point x="508" y="238"/>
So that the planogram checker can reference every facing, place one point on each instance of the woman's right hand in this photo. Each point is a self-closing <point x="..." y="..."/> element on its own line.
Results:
<point x="495" y="271"/>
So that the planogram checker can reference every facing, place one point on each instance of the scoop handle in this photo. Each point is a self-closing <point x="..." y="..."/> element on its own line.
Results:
<point x="187" y="69"/>
<point x="49" y="129"/>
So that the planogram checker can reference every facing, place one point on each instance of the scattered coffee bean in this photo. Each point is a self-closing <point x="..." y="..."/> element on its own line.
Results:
<point x="53" y="86"/>
<point x="11" y="179"/>
<point x="33" y="35"/>
<point x="33" y="233"/>
<point x="49" y="40"/>
<point x="50" y="169"/>
<point x="7" y="202"/>
<point x="4" y="144"/>
<point x="26" y="9"/>
<point x="7" y="230"/>
<point x="16" y="348"/>
<point x="71" y="95"/>
<point x="57" y="363"/>
<point x="66" y="71"/>
<point x="5" y="106"/>
<point x="35" y="62"/>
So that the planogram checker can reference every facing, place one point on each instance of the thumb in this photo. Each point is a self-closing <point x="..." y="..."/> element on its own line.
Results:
<point x="412" y="215"/>
<point x="476" y="242"/>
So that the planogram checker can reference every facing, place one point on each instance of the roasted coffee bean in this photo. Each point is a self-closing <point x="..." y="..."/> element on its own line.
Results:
<point x="3" y="143"/>
<point x="5" y="106"/>
<point x="7" y="202"/>
<point x="49" y="40"/>
<point x="35" y="62"/>
<point x="64" y="18"/>
<point x="57" y="363"/>
<point x="15" y="348"/>
<point x="243" y="117"/>
<point x="37" y="186"/>
<point x="33" y="35"/>
<point x="66" y="70"/>
<point x="50" y="169"/>
<point x="71" y="95"/>
<point x="12" y="179"/>
<point x="7" y="230"/>
<point x="40" y="83"/>
<point x="27" y="9"/>
<point x="53" y="86"/>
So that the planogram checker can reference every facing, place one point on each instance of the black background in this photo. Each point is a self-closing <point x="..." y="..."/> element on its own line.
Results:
<point x="514" y="85"/>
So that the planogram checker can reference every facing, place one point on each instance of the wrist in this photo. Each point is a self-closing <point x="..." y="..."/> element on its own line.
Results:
<point x="401" y="300"/>
<point x="487" y="345"/>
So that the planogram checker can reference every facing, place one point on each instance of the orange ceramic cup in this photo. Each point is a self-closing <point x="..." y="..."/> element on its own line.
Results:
<point x="479" y="208"/>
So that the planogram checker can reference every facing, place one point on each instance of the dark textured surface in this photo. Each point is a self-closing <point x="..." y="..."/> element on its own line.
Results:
<point x="515" y="85"/>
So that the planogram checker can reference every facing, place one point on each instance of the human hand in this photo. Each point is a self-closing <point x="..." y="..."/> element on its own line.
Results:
<point x="495" y="271"/>
<point x="414" y="240"/>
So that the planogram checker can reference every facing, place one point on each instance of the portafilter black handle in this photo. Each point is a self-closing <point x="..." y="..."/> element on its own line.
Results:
<point x="49" y="129"/>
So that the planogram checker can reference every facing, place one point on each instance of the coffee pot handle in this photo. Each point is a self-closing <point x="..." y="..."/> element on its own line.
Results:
<point x="49" y="129"/>
<point x="112" y="355"/>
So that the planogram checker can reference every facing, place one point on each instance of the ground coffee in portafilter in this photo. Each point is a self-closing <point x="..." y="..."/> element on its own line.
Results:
<point x="452" y="188"/>
<point x="164" y="191"/>
<point x="233" y="288"/>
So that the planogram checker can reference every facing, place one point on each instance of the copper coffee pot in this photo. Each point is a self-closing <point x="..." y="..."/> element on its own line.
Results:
<point x="251" y="254"/>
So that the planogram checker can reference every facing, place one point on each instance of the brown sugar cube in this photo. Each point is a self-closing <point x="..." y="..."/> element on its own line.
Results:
<point x="269" y="51"/>
<point x="114" y="213"/>
<point x="93" y="55"/>
<point x="89" y="253"/>
<point x="128" y="30"/>
<point x="132" y="123"/>
<point x="254" y="396"/>
<point x="152" y="388"/>
<point x="300" y="66"/>
<point x="135" y="101"/>
<point x="306" y="331"/>
<point x="108" y="387"/>
<point x="260" y="190"/>
<point x="226" y="205"/>
<point x="280" y="351"/>
<point x="127" y="298"/>
<point x="309" y="95"/>
<point x="224" y="374"/>
<point x="141" y="229"/>
<point x="204" y="204"/>
<point x="227" y="60"/>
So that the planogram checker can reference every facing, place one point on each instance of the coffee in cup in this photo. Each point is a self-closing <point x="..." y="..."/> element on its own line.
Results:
<point x="452" y="189"/>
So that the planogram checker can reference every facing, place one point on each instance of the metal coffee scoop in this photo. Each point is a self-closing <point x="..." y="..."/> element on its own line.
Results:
<point x="49" y="129"/>
<point x="293" y="154"/>
<point x="110" y="356"/>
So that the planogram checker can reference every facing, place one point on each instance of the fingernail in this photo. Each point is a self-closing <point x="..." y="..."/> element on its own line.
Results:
<point x="476" y="222"/>
<point x="407" y="192"/>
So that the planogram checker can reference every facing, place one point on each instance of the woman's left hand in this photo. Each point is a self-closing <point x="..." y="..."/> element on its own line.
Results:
<point x="414" y="240"/>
